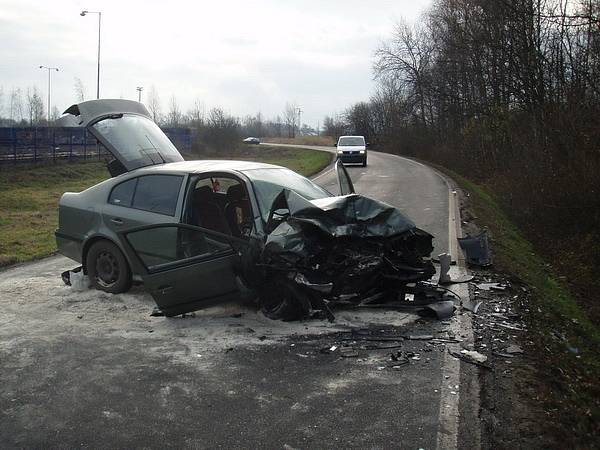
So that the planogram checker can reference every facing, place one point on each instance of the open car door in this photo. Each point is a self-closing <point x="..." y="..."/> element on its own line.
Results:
<point x="183" y="267"/>
<point x="346" y="186"/>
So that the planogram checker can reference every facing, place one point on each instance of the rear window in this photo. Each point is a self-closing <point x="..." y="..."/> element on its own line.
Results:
<point x="157" y="193"/>
<point x="122" y="194"/>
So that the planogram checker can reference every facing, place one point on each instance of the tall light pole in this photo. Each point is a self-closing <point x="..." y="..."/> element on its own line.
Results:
<point x="83" y="13"/>
<point x="139" y="89"/>
<point x="49" y="69"/>
<point x="299" y="111"/>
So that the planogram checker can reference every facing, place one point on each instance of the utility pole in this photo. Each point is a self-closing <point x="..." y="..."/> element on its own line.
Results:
<point x="140" y="89"/>
<point x="49" y="69"/>
<point x="299" y="111"/>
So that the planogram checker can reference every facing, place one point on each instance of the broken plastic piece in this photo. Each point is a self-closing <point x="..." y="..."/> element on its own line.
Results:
<point x="442" y="310"/>
<point x="66" y="275"/>
<point x="471" y="356"/>
<point x="471" y="305"/>
<point x="477" y="249"/>
<point x="79" y="281"/>
<point x="490" y="286"/>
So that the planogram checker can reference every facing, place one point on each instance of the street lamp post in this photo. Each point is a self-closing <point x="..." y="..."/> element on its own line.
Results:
<point x="139" y="89"/>
<point x="49" y="69"/>
<point x="83" y="13"/>
<point x="299" y="111"/>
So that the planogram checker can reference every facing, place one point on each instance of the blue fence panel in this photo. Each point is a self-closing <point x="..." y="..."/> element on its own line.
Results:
<point x="33" y="144"/>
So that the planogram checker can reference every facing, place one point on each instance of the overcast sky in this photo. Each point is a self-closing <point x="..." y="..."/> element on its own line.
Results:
<point x="244" y="56"/>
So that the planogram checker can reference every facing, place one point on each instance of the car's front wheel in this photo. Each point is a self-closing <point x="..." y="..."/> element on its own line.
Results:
<point x="283" y="301"/>
<point x="107" y="268"/>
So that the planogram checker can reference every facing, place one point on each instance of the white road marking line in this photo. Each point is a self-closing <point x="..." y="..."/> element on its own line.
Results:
<point x="461" y="326"/>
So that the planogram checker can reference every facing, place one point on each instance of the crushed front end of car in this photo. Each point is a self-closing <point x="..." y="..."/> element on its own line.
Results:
<point x="339" y="250"/>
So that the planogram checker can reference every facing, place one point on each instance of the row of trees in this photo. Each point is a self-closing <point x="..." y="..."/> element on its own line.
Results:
<point x="20" y="107"/>
<point x="27" y="108"/>
<point x="506" y="91"/>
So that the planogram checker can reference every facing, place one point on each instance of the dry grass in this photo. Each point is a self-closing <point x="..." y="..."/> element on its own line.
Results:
<point x="326" y="141"/>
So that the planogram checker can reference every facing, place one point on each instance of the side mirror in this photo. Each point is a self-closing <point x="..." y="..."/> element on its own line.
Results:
<point x="368" y="144"/>
<point x="335" y="144"/>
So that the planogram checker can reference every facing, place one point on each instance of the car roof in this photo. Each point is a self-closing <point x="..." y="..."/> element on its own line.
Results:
<point x="352" y="136"/>
<point x="204" y="165"/>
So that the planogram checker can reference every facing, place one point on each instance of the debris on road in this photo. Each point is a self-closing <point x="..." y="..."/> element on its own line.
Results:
<point x="445" y="261"/>
<point x="491" y="286"/>
<point x="471" y="356"/>
<point x="76" y="279"/>
<point x="477" y="249"/>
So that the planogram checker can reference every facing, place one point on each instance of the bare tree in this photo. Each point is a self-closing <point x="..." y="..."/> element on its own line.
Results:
<point x="196" y="113"/>
<point x="35" y="106"/>
<point x="289" y="116"/>
<point x="153" y="103"/>
<point x="79" y="89"/>
<point x="55" y="114"/>
<point x="174" y="114"/>
<point x="15" y="107"/>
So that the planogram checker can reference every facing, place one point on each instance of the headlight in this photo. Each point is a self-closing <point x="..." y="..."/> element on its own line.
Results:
<point x="362" y="152"/>
<point x="340" y="152"/>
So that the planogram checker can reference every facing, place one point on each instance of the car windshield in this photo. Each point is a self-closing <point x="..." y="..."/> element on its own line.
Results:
<point x="137" y="140"/>
<point x="351" y="141"/>
<point x="268" y="183"/>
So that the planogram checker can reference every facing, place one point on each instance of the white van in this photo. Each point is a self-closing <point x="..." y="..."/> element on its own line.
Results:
<point x="352" y="149"/>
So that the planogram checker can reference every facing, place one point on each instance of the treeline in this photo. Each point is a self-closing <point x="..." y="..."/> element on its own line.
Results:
<point x="24" y="107"/>
<point x="502" y="91"/>
<point x="215" y="128"/>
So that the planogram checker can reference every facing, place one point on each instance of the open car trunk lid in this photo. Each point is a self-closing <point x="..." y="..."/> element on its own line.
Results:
<point x="126" y="130"/>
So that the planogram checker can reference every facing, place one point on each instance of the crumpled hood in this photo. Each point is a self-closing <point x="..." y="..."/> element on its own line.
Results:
<point x="350" y="215"/>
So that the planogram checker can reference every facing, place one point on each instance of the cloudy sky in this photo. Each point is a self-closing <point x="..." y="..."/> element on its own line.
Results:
<point x="244" y="56"/>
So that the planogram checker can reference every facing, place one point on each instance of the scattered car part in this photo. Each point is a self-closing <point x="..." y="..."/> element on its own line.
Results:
<point x="477" y="249"/>
<point x="471" y="305"/>
<point x="445" y="261"/>
<point x="471" y="356"/>
<point x="66" y="275"/>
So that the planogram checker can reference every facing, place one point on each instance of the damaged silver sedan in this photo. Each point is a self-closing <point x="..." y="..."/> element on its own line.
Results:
<point x="200" y="232"/>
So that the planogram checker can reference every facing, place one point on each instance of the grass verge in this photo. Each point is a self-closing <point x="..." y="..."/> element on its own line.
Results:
<point x="567" y="343"/>
<point x="326" y="141"/>
<point x="30" y="194"/>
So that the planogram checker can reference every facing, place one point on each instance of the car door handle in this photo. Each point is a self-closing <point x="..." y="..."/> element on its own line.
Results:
<point x="117" y="221"/>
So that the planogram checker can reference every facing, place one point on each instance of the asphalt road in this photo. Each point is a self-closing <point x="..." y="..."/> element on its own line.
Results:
<point x="93" y="370"/>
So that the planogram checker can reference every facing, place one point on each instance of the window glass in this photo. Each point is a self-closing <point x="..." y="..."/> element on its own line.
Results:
<point x="169" y="244"/>
<point x="122" y="194"/>
<point x="351" y="141"/>
<point x="137" y="140"/>
<point x="268" y="183"/>
<point x="157" y="193"/>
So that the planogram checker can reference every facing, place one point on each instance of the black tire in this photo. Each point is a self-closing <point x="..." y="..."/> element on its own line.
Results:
<point x="107" y="268"/>
<point x="283" y="301"/>
<point x="364" y="163"/>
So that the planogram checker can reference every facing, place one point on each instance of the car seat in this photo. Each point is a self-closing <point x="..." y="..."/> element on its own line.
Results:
<point x="206" y="213"/>
<point x="237" y="210"/>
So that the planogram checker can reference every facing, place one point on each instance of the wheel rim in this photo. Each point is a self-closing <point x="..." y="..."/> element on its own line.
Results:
<point x="107" y="269"/>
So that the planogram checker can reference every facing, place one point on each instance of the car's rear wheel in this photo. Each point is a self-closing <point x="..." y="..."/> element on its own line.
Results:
<point x="107" y="268"/>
